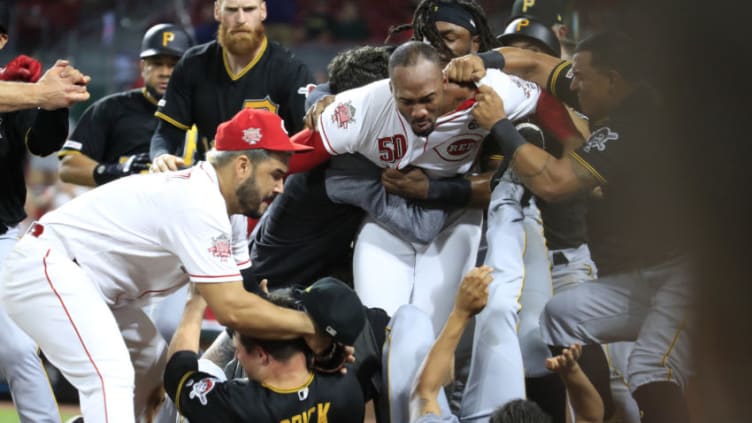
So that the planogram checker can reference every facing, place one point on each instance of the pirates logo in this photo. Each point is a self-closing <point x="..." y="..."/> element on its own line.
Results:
<point x="202" y="388"/>
<point x="599" y="139"/>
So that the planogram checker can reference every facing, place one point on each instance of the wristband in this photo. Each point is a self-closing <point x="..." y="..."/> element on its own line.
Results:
<point x="492" y="59"/>
<point x="507" y="137"/>
<point x="104" y="173"/>
<point x="453" y="192"/>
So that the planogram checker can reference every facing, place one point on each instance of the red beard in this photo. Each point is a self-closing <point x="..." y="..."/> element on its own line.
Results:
<point x="240" y="43"/>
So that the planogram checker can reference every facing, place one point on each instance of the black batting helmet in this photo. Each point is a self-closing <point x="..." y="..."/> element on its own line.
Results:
<point x="168" y="39"/>
<point x="529" y="29"/>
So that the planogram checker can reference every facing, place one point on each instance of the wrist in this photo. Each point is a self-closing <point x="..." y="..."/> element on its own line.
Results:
<point x="507" y="137"/>
<point x="104" y="173"/>
<point x="492" y="59"/>
<point x="450" y="191"/>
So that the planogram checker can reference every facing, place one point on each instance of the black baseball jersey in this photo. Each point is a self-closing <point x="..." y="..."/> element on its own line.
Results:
<point x="115" y="127"/>
<point x="202" y="397"/>
<point x="203" y="91"/>
<point x="43" y="132"/>
<point x="559" y="84"/>
<point x="633" y="224"/>
<point x="304" y="235"/>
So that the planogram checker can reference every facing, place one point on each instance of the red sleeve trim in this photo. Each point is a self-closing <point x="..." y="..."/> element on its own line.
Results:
<point x="303" y="162"/>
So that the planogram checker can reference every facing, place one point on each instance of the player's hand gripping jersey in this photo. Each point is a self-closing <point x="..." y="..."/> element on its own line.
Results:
<point x="366" y="121"/>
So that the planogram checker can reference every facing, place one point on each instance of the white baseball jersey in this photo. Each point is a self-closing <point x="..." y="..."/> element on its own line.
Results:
<point x="133" y="254"/>
<point x="366" y="120"/>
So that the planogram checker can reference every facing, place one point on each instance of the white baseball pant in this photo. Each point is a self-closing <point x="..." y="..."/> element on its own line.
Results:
<point x="650" y="306"/>
<point x="389" y="271"/>
<point x="79" y="333"/>
<point x="20" y="364"/>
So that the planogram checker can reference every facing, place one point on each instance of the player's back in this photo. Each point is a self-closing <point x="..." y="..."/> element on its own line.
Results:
<point x="127" y="232"/>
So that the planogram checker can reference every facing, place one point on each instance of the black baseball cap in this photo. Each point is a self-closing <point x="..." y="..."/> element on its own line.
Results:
<point x="335" y="307"/>
<point x="4" y="18"/>
<point x="548" y="12"/>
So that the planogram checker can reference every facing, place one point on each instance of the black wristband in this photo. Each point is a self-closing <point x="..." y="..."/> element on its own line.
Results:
<point x="104" y="173"/>
<point x="492" y="59"/>
<point x="453" y="192"/>
<point x="506" y="136"/>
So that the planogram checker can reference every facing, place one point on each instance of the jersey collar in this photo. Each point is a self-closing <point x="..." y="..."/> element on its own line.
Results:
<point x="251" y="64"/>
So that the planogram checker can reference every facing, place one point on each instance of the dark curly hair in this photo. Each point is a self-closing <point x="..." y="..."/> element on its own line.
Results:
<point x="424" y="26"/>
<point x="358" y="66"/>
<point x="520" y="411"/>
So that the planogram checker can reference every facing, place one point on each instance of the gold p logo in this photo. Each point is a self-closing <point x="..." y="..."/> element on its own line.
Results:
<point x="522" y="23"/>
<point x="167" y="36"/>
<point x="526" y="4"/>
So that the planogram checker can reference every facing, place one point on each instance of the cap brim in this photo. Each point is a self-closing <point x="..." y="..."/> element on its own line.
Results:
<point x="291" y="148"/>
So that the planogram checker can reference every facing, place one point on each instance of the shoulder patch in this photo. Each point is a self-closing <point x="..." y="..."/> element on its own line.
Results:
<point x="221" y="247"/>
<point x="72" y="145"/>
<point x="202" y="388"/>
<point x="599" y="138"/>
<point x="344" y="114"/>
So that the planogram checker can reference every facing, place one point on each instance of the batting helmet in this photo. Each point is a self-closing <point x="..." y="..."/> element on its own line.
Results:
<point x="168" y="39"/>
<point x="528" y="29"/>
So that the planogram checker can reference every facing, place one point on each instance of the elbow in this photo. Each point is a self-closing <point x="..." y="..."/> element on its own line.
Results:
<point x="226" y="316"/>
<point x="66" y="173"/>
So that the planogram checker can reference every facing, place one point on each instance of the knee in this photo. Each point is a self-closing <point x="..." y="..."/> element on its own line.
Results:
<point x="410" y="318"/>
<point x="558" y="318"/>
<point x="17" y="351"/>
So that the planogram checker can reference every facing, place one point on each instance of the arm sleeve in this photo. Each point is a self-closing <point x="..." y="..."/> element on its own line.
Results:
<point x="197" y="395"/>
<point x="319" y="91"/>
<point x="602" y="150"/>
<point x="344" y="124"/>
<point x="303" y="162"/>
<point x="167" y="139"/>
<point x="520" y="96"/>
<point x="206" y="249"/>
<point x="559" y="83"/>
<point x="354" y="180"/>
<point x="239" y="225"/>
<point x="90" y="134"/>
<point x="48" y="131"/>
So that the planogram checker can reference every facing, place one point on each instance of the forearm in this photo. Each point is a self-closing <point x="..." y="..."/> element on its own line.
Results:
<point x="221" y="351"/>
<point x="585" y="400"/>
<point x="250" y="314"/>
<point x="19" y="96"/>
<point x="526" y="64"/>
<point x="437" y="367"/>
<point x="188" y="333"/>
<point x="77" y="168"/>
<point x="481" y="189"/>
<point x="167" y="139"/>
<point x="49" y="131"/>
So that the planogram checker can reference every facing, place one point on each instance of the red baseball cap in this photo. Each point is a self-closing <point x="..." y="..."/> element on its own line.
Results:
<point x="252" y="129"/>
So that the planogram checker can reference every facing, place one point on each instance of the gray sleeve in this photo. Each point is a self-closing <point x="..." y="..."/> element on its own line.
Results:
<point x="353" y="179"/>
<point x="318" y="92"/>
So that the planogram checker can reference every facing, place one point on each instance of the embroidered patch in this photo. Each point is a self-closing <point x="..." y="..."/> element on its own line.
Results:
<point x="473" y="125"/>
<point x="344" y="114"/>
<point x="202" y="388"/>
<point x="599" y="138"/>
<point x="252" y="135"/>
<point x="221" y="247"/>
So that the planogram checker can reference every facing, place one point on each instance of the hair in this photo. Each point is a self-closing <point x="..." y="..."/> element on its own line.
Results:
<point x="424" y="26"/>
<point x="221" y="158"/>
<point x="281" y="350"/>
<point x="519" y="411"/>
<point x="358" y="66"/>
<point x="410" y="53"/>
<point x="613" y="51"/>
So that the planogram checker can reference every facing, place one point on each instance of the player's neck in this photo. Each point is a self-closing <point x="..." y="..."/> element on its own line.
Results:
<point x="226" y="188"/>
<point x="238" y="62"/>
<point x="290" y="374"/>
<point x="455" y="95"/>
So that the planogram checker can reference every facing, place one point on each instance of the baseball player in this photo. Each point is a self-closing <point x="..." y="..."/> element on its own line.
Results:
<point x="642" y="292"/>
<point x="41" y="132"/>
<point x="213" y="81"/>
<point x="112" y="137"/>
<point x="281" y="386"/>
<point x="116" y="257"/>
<point x="549" y="13"/>
<point x="423" y="365"/>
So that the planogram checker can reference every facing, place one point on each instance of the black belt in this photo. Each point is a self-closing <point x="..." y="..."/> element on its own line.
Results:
<point x="559" y="258"/>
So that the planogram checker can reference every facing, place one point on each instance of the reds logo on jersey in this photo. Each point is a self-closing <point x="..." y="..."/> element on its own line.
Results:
<point x="344" y="114"/>
<point x="202" y="388"/>
<point x="221" y="247"/>
<point x="599" y="139"/>
<point x="457" y="150"/>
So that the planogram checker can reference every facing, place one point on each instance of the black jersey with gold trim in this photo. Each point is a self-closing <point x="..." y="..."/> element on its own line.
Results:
<point x="202" y="397"/>
<point x="204" y="91"/>
<point x="117" y="126"/>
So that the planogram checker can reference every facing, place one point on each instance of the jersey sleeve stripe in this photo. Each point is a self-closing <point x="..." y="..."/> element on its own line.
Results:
<point x="171" y="121"/>
<point x="552" y="80"/>
<point x="244" y="264"/>
<point x="589" y="168"/>
<point x="215" y="278"/>
<point x="63" y="153"/>
<point x="180" y="388"/>
<point x="326" y="143"/>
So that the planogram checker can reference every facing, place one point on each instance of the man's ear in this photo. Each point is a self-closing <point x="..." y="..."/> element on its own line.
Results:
<point x="243" y="166"/>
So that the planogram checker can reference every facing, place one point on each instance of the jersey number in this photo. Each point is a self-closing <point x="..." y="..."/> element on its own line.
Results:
<point x="392" y="148"/>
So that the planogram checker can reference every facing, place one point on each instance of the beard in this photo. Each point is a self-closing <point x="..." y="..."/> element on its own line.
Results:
<point x="240" y="43"/>
<point x="250" y="199"/>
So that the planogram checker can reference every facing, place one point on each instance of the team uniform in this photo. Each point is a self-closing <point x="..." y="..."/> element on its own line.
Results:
<point x="43" y="132"/>
<point x="643" y="278"/>
<point x="388" y="270"/>
<point x="115" y="127"/>
<point x="203" y="91"/>
<point x="96" y="261"/>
